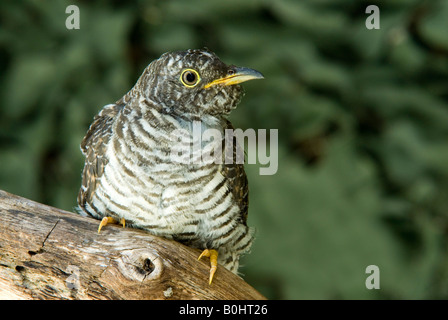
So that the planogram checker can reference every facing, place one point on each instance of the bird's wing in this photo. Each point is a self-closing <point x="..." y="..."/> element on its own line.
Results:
<point x="93" y="146"/>
<point x="236" y="177"/>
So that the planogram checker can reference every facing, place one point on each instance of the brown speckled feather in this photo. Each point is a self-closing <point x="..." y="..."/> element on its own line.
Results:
<point x="237" y="179"/>
<point x="93" y="146"/>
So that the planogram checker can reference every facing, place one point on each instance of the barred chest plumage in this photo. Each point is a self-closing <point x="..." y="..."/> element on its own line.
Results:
<point x="144" y="184"/>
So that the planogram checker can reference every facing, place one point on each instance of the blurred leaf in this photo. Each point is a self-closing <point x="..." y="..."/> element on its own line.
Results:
<point x="435" y="24"/>
<point x="29" y="77"/>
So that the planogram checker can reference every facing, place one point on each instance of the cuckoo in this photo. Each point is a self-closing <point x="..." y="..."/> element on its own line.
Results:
<point x="131" y="176"/>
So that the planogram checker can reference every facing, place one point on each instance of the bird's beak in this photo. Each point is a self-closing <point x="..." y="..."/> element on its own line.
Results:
<point x="240" y="75"/>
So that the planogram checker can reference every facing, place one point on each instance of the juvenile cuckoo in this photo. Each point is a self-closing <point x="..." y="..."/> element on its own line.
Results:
<point x="130" y="176"/>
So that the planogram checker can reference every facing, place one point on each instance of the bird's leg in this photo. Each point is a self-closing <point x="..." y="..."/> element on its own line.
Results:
<point x="213" y="254"/>
<point x="106" y="220"/>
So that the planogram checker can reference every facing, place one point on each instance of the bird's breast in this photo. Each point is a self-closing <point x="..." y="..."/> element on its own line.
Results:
<point x="151" y="190"/>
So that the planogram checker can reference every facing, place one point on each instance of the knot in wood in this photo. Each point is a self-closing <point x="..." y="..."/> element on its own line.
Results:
<point x="140" y="264"/>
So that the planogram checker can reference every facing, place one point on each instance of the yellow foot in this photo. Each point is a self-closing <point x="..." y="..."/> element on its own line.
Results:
<point x="106" y="220"/>
<point x="213" y="254"/>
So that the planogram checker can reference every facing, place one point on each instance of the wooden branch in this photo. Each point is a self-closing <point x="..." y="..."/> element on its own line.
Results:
<point x="48" y="253"/>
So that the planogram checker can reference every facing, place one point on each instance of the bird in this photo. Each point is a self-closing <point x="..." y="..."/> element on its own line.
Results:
<point x="129" y="176"/>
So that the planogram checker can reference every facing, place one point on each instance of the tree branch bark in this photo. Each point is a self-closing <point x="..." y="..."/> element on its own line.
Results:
<point x="48" y="253"/>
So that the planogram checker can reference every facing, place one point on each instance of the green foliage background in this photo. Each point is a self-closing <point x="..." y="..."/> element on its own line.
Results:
<point x="362" y="118"/>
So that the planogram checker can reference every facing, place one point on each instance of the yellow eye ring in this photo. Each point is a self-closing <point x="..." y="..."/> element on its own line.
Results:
<point x="190" y="78"/>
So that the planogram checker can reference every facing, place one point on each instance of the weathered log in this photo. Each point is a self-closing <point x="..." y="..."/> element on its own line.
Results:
<point x="48" y="253"/>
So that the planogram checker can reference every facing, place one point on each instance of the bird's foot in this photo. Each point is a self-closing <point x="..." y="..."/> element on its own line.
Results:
<point x="106" y="220"/>
<point x="213" y="254"/>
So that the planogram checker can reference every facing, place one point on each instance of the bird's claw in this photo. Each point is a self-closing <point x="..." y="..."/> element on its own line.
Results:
<point x="106" y="220"/>
<point x="213" y="254"/>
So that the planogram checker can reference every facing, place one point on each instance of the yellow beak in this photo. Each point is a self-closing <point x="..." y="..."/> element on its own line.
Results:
<point x="240" y="75"/>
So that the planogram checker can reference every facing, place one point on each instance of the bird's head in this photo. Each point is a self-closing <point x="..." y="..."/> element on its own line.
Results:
<point x="194" y="82"/>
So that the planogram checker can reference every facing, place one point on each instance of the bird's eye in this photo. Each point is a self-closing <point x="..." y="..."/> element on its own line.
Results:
<point x="190" y="78"/>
